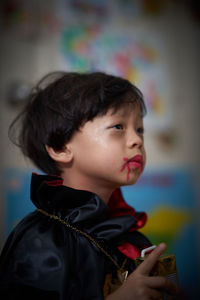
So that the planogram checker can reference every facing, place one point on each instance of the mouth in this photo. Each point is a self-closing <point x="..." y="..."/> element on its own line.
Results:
<point x="136" y="162"/>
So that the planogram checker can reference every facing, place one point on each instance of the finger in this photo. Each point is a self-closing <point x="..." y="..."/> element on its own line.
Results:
<point x="155" y="294"/>
<point x="161" y="282"/>
<point x="146" y="266"/>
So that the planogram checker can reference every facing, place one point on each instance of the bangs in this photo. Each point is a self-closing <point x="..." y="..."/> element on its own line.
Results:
<point x="115" y="101"/>
<point x="132" y="100"/>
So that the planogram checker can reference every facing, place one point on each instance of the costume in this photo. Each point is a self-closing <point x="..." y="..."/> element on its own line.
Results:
<point x="42" y="257"/>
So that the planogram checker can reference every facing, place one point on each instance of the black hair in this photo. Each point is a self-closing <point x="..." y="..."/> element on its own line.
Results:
<point x="60" y="104"/>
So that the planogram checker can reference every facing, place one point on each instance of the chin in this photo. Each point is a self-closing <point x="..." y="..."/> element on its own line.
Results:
<point x="132" y="180"/>
<point x="129" y="182"/>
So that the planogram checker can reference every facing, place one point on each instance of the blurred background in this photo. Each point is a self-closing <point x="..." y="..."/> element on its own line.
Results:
<point x="154" y="44"/>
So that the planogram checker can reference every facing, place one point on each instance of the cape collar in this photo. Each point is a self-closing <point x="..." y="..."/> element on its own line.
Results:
<point x="85" y="209"/>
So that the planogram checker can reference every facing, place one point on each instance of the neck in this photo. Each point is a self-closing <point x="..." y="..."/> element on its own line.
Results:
<point x="104" y="192"/>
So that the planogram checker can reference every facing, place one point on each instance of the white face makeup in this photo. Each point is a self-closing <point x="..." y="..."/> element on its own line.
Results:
<point x="108" y="151"/>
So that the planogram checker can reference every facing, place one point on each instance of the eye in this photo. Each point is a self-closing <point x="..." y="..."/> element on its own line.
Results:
<point x="118" y="126"/>
<point x="140" y="130"/>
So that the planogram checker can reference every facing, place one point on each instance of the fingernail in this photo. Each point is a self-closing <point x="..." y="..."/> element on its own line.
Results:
<point x="162" y="245"/>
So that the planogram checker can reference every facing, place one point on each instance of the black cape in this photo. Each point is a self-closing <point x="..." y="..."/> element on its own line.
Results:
<point x="44" y="258"/>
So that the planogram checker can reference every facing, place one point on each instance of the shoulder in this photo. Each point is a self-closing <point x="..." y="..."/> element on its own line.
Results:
<point x="38" y="253"/>
<point x="46" y="240"/>
<point x="37" y="232"/>
<point x="44" y="254"/>
<point x="35" y="243"/>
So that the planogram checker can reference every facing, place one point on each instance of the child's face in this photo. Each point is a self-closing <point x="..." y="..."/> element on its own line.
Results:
<point x="109" y="150"/>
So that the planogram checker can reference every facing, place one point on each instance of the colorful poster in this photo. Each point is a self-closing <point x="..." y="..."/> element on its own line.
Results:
<point x="126" y="52"/>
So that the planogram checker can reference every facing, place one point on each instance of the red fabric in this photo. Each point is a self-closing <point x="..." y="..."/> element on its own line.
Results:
<point x="118" y="207"/>
<point x="129" y="250"/>
<point x="54" y="182"/>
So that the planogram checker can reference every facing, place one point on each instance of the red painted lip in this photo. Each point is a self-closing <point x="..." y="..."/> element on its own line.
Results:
<point x="136" y="162"/>
<point x="137" y="158"/>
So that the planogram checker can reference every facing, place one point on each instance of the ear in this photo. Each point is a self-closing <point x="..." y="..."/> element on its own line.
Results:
<point x="64" y="155"/>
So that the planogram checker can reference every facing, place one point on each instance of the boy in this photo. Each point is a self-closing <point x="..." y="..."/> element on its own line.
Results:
<point x="85" y="131"/>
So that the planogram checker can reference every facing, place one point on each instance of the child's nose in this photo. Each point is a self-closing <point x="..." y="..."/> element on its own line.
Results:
<point x="135" y="140"/>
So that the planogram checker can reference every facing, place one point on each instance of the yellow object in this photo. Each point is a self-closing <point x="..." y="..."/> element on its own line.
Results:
<point x="166" y="220"/>
<point x="165" y="266"/>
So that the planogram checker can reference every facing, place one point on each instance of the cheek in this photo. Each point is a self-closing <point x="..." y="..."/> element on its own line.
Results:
<point x="100" y="143"/>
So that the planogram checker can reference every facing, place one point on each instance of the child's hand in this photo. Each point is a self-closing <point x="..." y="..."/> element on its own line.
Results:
<point x="140" y="286"/>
